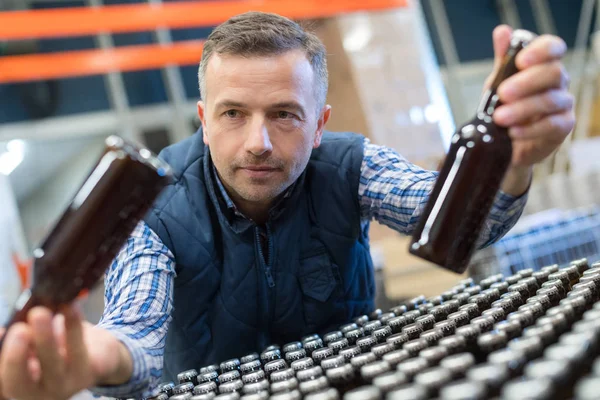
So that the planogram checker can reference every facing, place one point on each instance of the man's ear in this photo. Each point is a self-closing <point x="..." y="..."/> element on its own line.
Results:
<point x="202" y="116"/>
<point x="323" y="118"/>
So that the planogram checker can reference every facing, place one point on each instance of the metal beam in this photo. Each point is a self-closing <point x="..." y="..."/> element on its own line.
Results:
<point x="509" y="13"/>
<point x="115" y="86"/>
<point x="180" y="127"/>
<point x="102" y="123"/>
<point x="543" y="16"/>
<point x="446" y="38"/>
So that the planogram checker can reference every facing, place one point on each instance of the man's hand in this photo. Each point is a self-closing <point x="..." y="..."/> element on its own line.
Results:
<point x="537" y="106"/>
<point x="53" y="358"/>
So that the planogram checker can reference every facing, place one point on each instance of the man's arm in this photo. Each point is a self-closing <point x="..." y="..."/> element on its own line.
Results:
<point x="394" y="192"/>
<point x="138" y="305"/>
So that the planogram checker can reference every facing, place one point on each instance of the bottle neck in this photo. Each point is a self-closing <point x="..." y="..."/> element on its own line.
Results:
<point x="490" y="100"/>
<point x="488" y="105"/>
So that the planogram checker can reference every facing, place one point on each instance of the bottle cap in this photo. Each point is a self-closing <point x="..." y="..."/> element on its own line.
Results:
<point x="446" y="327"/>
<point x="496" y="313"/>
<point x="230" y="365"/>
<point x="348" y="327"/>
<point x="332" y="362"/>
<point x="409" y="391"/>
<point x="282" y="375"/>
<point x="323" y="394"/>
<point x="312" y="345"/>
<point x="471" y="309"/>
<point x="484" y="323"/>
<point x="531" y="346"/>
<point x="350" y="352"/>
<point x="370" y="371"/>
<point x="294" y="355"/>
<point x="253" y="377"/>
<point x="292" y="346"/>
<point x="397" y="323"/>
<point x="458" y="364"/>
<point x="206" y="387"/>
<point x="365" y="343"/>
<point x="389" y="381"/>
<point x="492" y="341"/>
<point x="464" y="389"/>
<point x="363" y="393"/>
<point x="275" y="365"/>
<point x="413" y="330"/>
<point x="363" y="359"/>
<point x="527" y="388"/>
<point x="270" y="355"/>
<point x="284" y="386"/>
<point x="381" y="334"/>
<point x="414" y="347"/>
<point x="313" y="385"/>
<point x="370" y="326"/>
<point x="434" y="355"/>
<point x="412" y="366"/>
<point x="183" y="388"/>
<point x="229" y="376"/>
<point x="587" y="388"/>
<point x="454" y="344"/>
<point x="292" y="395"/>
<point x="493" y="376"/>
<point x="395" y="357"/>
<point x="340" y="344"/>
<point x="309" y="374"/>
<point x="524" y="317"/>
<point x="332" y="336"/>
<point x="382" y="349"/>
<point x="230" y="387"/>
<point x="190" y="375"/>
<point x="303" y="363"/>
<point x="321" y="354"/>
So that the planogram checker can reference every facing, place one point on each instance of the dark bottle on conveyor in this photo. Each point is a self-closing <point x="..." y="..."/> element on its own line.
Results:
<point x="188" y="376"/>
<point x="470" y="178"/>
<point x="343" y="378"/>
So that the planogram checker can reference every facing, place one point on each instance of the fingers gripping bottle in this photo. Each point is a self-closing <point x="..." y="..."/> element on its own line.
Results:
<point x="478" y="158"/>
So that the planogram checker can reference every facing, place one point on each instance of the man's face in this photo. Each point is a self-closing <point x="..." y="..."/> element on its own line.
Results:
<point x="260" y="121"/>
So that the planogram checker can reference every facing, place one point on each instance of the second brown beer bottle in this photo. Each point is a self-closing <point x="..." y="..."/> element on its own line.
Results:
<point x="478" y="158"/>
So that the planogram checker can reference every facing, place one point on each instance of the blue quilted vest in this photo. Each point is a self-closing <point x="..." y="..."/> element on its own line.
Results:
<point x="231" y="299"/>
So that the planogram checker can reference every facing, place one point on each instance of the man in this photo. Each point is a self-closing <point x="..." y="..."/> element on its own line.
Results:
<point x="264" y="236"/>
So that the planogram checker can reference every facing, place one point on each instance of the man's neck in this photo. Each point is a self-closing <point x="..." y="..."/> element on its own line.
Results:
<point x="257" y="212"/>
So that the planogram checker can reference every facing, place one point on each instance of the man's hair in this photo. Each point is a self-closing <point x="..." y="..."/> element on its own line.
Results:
<point x="256" y="34"/>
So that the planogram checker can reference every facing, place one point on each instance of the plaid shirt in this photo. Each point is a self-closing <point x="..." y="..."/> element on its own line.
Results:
<point x="139" y="283"/>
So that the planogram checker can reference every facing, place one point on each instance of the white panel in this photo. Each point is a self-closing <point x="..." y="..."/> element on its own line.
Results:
<point x="12" y="244"/>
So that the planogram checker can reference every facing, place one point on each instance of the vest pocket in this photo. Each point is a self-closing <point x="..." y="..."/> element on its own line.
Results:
<point x="319" y="281"/>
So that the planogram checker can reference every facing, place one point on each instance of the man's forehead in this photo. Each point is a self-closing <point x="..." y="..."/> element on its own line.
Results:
<point x="291" y="68"/>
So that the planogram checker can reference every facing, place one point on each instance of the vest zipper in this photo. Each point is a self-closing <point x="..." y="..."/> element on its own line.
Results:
<point x="266" y="286"/>
<point x="267" y="265"/>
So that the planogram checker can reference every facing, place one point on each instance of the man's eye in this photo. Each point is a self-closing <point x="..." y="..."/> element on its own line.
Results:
<point x="284" y="115"/>
<point x="232" y="113"/>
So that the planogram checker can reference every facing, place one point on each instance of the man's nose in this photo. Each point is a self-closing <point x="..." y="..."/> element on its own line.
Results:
<point x="258" y="141"/>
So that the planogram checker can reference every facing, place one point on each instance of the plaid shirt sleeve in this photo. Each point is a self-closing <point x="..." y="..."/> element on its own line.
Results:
<point x="394" y="192"/>
<point x="138" y="304"/>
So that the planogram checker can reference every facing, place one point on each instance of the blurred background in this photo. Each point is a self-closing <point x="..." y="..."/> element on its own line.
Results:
<point x="404" y="73"/>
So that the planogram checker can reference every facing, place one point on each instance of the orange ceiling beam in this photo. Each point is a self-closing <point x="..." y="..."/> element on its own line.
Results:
<point x="80" y="21"/>
<point x="95" y="62"/>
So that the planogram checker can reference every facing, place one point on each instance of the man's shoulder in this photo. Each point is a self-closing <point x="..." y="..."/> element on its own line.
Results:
<point x="181" y="155"/>
<point x="335" y="146"/>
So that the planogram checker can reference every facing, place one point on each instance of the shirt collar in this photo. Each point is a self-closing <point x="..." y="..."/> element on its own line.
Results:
<point x="231" y="205"/>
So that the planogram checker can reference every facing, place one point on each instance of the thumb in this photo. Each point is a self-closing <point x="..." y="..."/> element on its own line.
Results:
<point x="501" y="38"/>
<point x="501" y="41"/>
